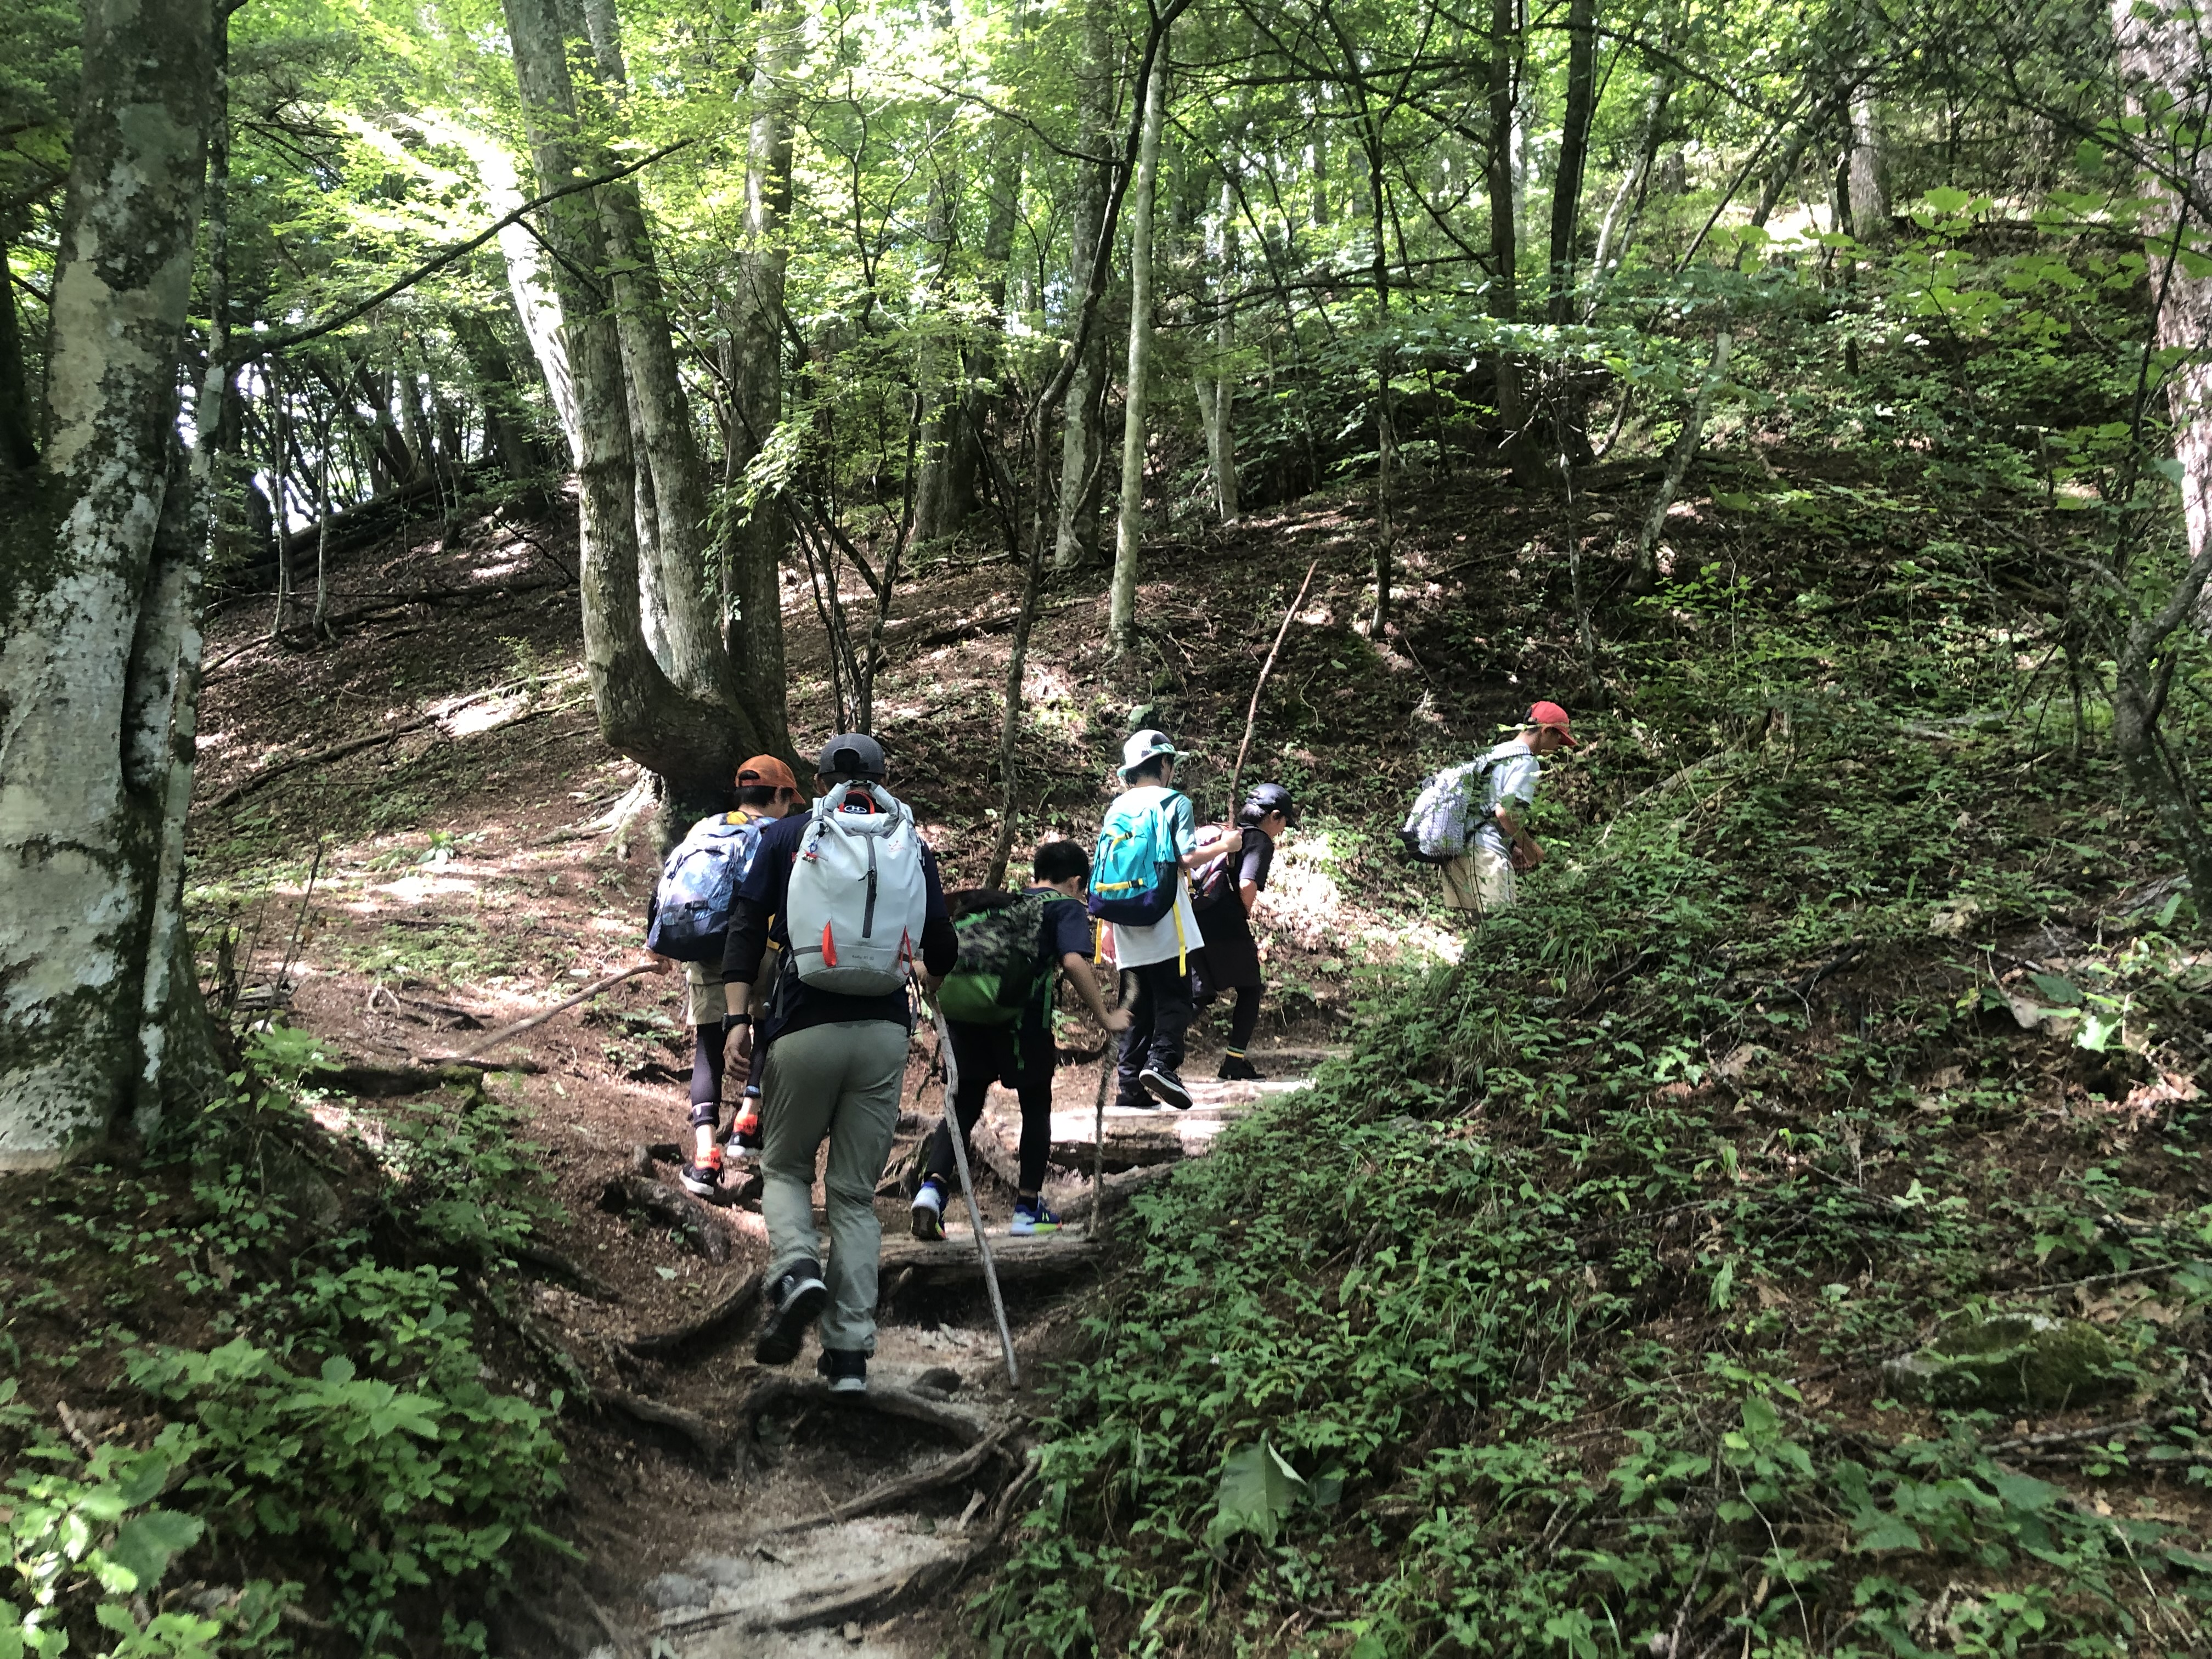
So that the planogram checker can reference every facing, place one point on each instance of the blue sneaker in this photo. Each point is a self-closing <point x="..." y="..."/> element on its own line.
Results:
<point x="1032" y="1217"/>
<point x="928" y="1211"/>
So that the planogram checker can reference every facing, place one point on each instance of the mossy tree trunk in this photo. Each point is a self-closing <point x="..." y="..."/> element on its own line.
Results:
<point x="94" y="601"/>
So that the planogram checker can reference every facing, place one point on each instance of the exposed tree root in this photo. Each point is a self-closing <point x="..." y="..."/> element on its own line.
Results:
<point x="696" y="1221"/>
<point x="726" y="1320"/>
<point x="689" y="1425"/>
<point x="774" y="1389"/>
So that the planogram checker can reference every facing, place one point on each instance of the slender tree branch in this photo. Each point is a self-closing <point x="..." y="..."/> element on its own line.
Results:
<point x="283" y="342"/>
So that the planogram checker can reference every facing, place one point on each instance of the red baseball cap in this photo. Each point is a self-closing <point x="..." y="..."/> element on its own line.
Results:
<point x="1551" y="715"/>
<point x="771" y="773"/>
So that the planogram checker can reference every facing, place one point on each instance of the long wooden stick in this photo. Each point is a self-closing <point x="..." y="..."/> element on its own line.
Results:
<point x="496" y="1038"/>
<point x="968" y="1190"/>
<point x="1252" y="715"/>
<point x="1094" y="1224"/>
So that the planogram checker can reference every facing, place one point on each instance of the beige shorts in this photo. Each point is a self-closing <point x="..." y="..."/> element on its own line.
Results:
<point x="1481" y="880"/>
<point x="709" y="1001"/>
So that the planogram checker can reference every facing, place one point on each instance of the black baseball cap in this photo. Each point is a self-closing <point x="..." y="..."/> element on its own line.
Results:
<point x="853" y="754"/>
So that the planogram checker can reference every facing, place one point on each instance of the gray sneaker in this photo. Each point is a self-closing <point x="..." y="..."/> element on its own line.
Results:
<point x="846" y="1368"/>
<point x="794" y="1302"/>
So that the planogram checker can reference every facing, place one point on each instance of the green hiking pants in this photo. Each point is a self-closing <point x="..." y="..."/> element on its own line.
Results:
<point x="842" y="1082"/>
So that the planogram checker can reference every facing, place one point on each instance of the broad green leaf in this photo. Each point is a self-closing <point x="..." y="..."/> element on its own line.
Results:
<point x="148" y="1541"/>
<point x="2063" y="992"/>
<point x="1257" y="1489"/>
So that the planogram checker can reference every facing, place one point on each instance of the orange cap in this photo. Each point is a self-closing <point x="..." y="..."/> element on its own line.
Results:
<point x="769" y="772"/>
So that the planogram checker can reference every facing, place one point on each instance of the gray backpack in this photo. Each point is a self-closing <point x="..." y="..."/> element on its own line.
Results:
<point x="858" y="894"/>
<point x="1445" y="816"/>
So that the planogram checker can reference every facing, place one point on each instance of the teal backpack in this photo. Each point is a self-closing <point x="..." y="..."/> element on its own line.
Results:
<point x="1134" y="873"/>
<point x="997" y="971"/>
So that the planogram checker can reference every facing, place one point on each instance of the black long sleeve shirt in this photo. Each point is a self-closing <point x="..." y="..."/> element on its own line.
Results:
<point x="757" y="918"/>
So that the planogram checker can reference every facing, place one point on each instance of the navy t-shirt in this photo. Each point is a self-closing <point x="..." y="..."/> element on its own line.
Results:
<point x="1067" y="927"/>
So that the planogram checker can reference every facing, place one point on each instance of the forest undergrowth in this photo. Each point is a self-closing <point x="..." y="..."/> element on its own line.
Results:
<point x="1853" y="1010"/>
<point x="1554" y="1319"/>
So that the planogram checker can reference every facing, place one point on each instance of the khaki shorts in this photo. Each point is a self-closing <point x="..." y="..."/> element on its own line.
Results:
<point x="709" y="999"/>
<point x="1481" y="880"/>
<point x="708" y="1003"/>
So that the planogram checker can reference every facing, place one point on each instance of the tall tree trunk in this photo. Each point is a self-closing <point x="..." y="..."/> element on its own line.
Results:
<point x="280" y="454"/>
<point x="1083" y="443"/>
<point x="1643" y="571"/>
<point x="1513" y="417"/>
<point x="1618" y="228"/>
<point x="998" y="250"/>
<point x="1574" y="148"/>
<point x="755" y="542"/>
<point x="1130" y="525"/>
<point x="507" y="421"/>
<point x="694" y="744"/>
<point x="941" y="495"/>
<point x="1386" y="420"/>
<point x="1869" y="189"/>
<point x="699" y="659"/>
<point x="1217" y="396"/>
<point x="645" y="512"/>
<point x="536" y="306"/>
<point x="181" y="1064"/>
<point x="2165" y="67"/>
<point x="89" y="614"/>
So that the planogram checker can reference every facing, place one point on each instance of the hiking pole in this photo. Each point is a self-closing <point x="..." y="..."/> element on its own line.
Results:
<point x="968" y="1190"/>
<point x="1095" y="1227"/>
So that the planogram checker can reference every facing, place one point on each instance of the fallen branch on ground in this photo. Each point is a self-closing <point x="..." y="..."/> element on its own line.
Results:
<point x="1047" y="1257"/>
<point x="776" y="1388"/>
<point x="494" y="1039"/>
<point x="247" y="785"/>
<point x="918" y="1484"/>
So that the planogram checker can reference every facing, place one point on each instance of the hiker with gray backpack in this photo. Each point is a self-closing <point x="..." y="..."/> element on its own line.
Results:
<point x="1472" y="820"/>
<point x="1139" y="884"/>
<point x="997" y="1003"/>
<point x="851" y="891"/>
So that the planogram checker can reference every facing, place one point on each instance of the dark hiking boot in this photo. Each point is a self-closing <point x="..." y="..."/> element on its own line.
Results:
<point x="846" y="1368"/>
<point x="794" y="1302"/>
<point x="1166" y="1086"/>
<point x="1235" y="1068"/>
<point x="703" y="1177"/>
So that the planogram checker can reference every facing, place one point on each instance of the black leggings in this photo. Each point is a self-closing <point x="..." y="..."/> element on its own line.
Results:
<point x="1245" y="1020"/>
<point x="984" y="1052"/>
<point x="708" y="1052"/>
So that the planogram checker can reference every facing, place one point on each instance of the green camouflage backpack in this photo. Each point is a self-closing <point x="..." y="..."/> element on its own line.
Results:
<point x="996" y="974"/>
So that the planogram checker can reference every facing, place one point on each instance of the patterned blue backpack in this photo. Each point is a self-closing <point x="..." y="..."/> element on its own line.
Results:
<point x="698" y="887"/>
